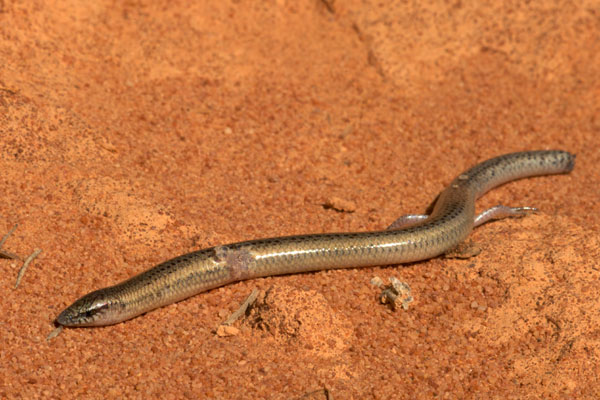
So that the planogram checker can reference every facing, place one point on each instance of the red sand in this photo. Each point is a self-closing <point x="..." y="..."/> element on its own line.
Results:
<point x="132" y="132"/>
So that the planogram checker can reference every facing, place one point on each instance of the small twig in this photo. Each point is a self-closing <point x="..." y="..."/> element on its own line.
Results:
<point x="240" y="311"/>
<point x="7" y="235"/>
<point x="9" y="255"/>
<point x="28" y="260"/>
<point x="6" y="253"/>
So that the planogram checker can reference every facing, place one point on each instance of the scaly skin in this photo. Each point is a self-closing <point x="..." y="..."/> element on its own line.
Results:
<point x="451" y="221"/>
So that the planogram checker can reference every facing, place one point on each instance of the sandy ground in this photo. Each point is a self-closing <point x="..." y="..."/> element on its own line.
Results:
<point x="132" y="132"/>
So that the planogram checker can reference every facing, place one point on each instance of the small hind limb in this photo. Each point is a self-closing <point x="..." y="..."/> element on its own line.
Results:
<point x="500" y="211"/>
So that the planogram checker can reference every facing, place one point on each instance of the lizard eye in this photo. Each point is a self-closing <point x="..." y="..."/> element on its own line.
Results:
<point x="89" y="314"/>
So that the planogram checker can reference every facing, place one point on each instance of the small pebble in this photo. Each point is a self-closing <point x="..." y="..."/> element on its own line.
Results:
<point x="225" y="330"/>
<point x="340" y="205"/>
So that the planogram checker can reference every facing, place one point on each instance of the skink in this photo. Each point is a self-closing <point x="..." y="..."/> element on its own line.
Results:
<point x="410" y="238"/>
